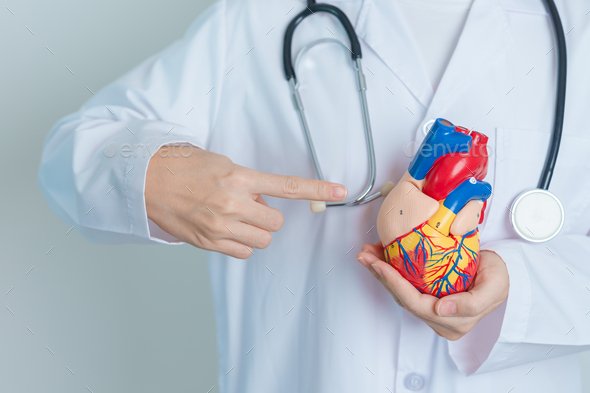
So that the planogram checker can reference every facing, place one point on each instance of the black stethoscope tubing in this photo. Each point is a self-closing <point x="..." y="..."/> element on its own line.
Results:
<point x="311" y="9"/>
<point x="356" y="53"/>
<point x="551" y="158"/>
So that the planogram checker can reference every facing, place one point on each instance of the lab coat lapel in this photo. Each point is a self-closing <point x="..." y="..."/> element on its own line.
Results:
<point x="485" y="38"/>
<point x="382" y="27"/>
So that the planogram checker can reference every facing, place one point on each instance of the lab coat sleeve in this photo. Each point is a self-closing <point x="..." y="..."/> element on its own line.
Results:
<point x="546" y="313"/>
<point x="94" y="161"/>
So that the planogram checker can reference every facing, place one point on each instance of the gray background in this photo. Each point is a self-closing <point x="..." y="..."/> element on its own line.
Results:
<point x="122" y="318"/>
<point x="102" y="318"/>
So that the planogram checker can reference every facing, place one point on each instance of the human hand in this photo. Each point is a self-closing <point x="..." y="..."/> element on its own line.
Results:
<point x="206" y="200"/>
<point x="454" y="315"/>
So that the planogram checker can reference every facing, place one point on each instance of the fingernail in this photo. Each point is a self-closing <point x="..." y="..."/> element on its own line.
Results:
<point x="447" y="309"/>
<point x="376" y="268"/>
<point x="339" y="192"/>
<point x="362" y="261"/>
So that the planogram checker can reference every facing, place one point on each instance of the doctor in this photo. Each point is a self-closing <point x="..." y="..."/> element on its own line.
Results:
<point x="201" y="144"/>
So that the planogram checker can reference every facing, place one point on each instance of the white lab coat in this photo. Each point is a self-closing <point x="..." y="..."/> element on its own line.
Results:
<point x="303" y="315"/>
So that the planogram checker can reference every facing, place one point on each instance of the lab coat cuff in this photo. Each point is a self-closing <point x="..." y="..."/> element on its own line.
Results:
<point x="141" y="225"/>
<point x="518" y="303"/>
<point x="487" y="346"/>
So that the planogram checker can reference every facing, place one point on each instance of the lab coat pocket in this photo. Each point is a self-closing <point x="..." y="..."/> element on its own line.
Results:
<point x="518" y="160"/>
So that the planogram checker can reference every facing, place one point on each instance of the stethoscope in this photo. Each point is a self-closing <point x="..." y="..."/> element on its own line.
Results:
<point x="537" y="215"/>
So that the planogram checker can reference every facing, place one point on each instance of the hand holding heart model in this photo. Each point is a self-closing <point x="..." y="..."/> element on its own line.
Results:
<point x="428" y="222"/>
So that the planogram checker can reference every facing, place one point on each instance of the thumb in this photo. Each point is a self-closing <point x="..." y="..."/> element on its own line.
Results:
<point x="464" y="304"/>
<point x="261" y="200"/>
<point x="489" y="288"/>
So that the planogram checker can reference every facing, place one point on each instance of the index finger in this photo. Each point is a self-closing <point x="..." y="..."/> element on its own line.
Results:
<point x="295" y="187"/>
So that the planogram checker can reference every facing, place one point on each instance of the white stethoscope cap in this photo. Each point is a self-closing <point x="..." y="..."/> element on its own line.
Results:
<point x="537" y="215"/>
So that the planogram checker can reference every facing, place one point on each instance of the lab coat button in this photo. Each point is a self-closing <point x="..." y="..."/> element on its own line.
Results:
<point x="414" y="382"/>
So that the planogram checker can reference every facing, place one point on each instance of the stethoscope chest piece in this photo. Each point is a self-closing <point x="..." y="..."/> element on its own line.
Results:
<point x="537" y="215"/>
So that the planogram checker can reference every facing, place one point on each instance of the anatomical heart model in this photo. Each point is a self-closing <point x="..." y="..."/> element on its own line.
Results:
<point x="428" y="222"/>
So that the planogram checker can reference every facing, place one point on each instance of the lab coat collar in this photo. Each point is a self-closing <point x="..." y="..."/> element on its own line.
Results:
<point x="484" y="38"/>
<point x="383" y="28"/>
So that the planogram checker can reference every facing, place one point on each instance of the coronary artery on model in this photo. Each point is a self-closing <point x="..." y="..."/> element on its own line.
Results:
<point x="428" y="222"/>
